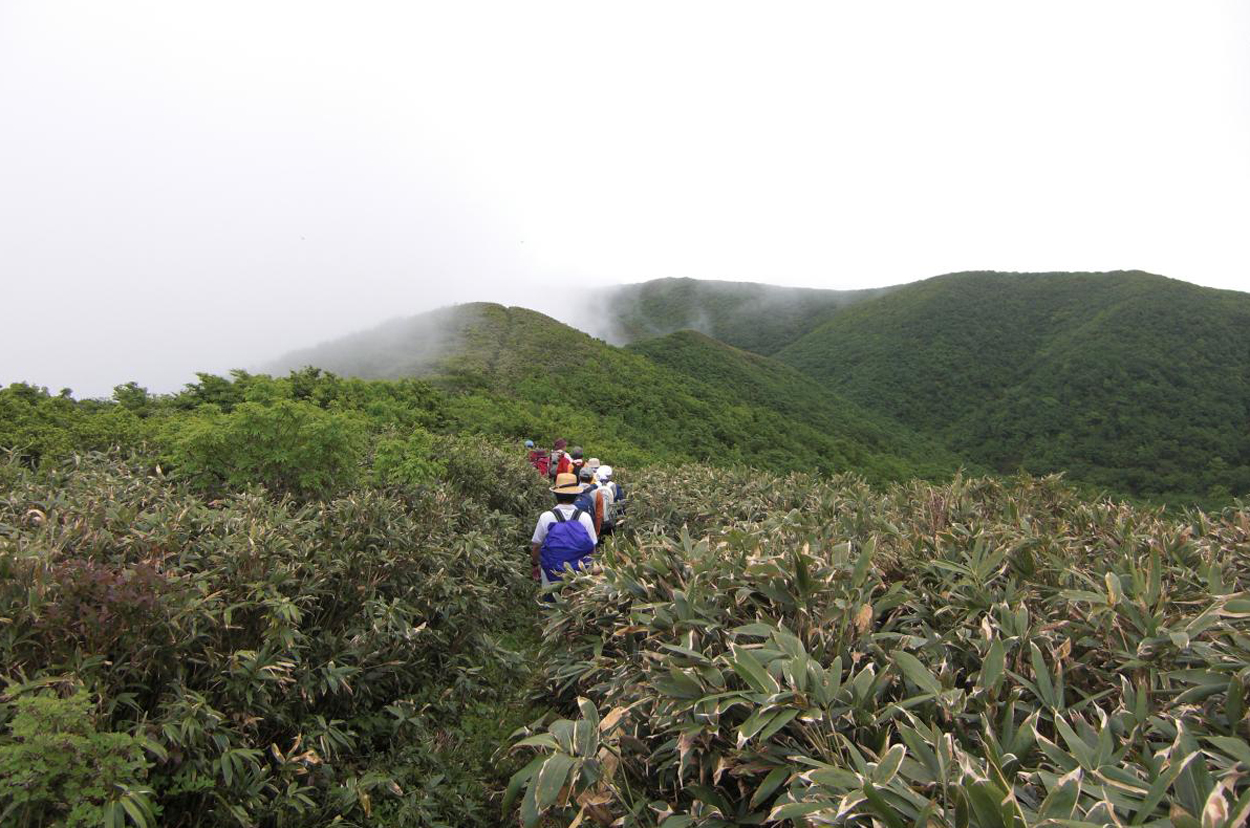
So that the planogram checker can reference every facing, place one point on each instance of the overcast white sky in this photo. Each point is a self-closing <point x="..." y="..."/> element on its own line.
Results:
<point x="193" y="186"/>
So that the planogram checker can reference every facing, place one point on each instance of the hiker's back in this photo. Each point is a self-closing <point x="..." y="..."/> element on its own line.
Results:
<point x="609" y="508"/>
<point x="568" y="542"/>
<point x="540" y="460"/>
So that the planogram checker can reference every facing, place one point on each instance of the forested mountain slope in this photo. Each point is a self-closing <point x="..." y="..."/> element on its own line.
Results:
<point x="760" y="381"/>
<point x="1127" y="380"/>
<point x="755" y="317"/>
<point x="516" y="371"/>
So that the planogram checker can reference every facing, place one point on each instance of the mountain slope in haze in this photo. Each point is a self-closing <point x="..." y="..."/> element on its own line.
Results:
<point x="1125" y="380"/>
<point x="398" y="348"/>
<point x="754" y="317"/>
<point x="520" y="372"/>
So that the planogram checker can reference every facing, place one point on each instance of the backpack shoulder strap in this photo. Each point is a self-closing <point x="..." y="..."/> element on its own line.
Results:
<point x="577" y="513"/>
<point x="560" y="518"/>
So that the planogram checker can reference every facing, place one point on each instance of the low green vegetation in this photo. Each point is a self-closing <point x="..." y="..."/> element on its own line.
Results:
<point x="1124" y="381"/>
<point x="980" y="653"/>
<point x="178" y="655"/>
<point x="260" y="601"/>
<point x="57" y="763"/>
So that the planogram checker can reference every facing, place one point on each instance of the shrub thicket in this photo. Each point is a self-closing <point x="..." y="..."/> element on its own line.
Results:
<point x="287" y="662"/>
<point x="976" y="654"/>
<point x="288" y="446"/>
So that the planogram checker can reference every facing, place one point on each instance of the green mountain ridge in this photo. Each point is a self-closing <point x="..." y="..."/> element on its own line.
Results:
<point x="1127" y="380"/>
<point x="700" y="401"/>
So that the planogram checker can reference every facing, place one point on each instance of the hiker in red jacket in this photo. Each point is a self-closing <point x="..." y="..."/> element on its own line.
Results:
<point x="560" y="462"/>
<point x="538" y="458"/>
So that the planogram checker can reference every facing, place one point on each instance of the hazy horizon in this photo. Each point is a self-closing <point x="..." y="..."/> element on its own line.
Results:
<point x="194" y="188"/>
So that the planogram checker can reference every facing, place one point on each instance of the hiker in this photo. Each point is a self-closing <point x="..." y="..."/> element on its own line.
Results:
<point x="564" y="535"/>
<point x="560" y="462"/>
<point x="591" y="498"/>
<point x="575" y="455"/>
<point x="603" y="477"/>
<point x="615" y="491"/>
<point x="538" y="458"/>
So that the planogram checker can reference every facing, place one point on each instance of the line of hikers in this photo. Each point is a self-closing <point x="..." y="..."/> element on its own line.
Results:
<point x="590" y="505"/>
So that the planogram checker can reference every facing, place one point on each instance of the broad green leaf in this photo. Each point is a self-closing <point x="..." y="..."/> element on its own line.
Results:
<point x="995" y="663"/>
<point x="778" y="722"/>
<point x="881" y="807"/>
<point x="1232" y="746"/>
<point x="1083" y="752"/>
<point x="539" y="740"/>
<point x="919" y="674"/>
<point x="840" y="779"/>
<point x="135" y="809"/>
<point x="1159" y="788"/>
<point x="860" y="573"/>
<point x="518" y="780"/>
<point x="1115" y="591"/>
<point x="586" y="731"/>
<point x="530" y="813"/>
<point x="1215" y="811"/>
<point x="1041" y="677"/>
<point x="771" y="783"/>
<point x="551" y="779"/>
<point x="755" y="723"/>
<point x="562" y="731"/>
<point x="756" y="677"/>
<point x="986" y="800"/>
<point x="889" y="764"/>
<point x="1060" y="803"/>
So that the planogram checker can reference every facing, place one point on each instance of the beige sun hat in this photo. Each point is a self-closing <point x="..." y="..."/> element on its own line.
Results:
<point x="567" y="484"/>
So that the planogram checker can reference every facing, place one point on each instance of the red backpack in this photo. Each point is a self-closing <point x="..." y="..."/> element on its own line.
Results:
<point x="540" y="460"/>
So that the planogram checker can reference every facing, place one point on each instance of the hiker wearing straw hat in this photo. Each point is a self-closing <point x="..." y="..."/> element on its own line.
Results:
<point x="564" y="535"/>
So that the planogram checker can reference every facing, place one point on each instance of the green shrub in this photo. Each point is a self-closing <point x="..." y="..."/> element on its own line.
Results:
<point x="39" y="426"/>
<point x="57" y="767"/>
<point x="499" y="477"/>
<point x="288" y="447"/>
<point x="407" y="461"/>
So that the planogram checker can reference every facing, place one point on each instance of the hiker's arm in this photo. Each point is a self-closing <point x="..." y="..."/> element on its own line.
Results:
<point x="534" y="547"/>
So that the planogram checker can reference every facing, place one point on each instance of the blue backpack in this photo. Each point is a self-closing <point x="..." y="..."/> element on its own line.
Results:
<point x="567" y="543"/>
<point x="586" y="500"/>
